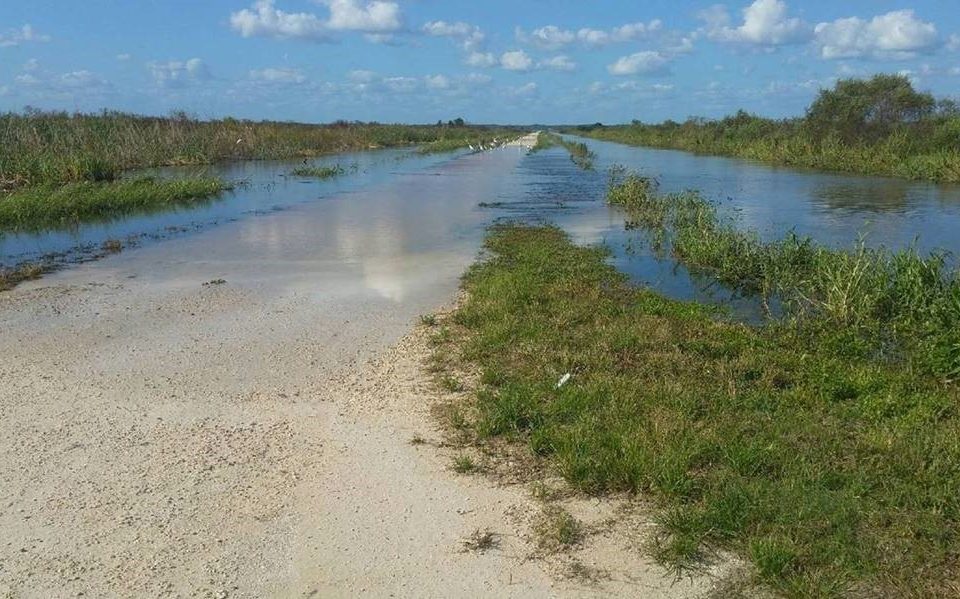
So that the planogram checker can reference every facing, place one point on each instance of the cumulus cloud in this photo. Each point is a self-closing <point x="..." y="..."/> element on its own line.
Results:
<point x="558" y="63"/>
<point x="649" y="62"/>
<point x="525" y="90"/>
<point x="436" y="82"/>
<point x="625" y="33"/>
<point x="470" y="37"/>
<point x="374" y="17"/>
<point x="765" y="23"/>
<point x="25" y="34"/>
<point x="953" y="43"/>
<point x="377" y="19"/>
<point x="177" y="73"/>
<point x="278" y="75"/>
<point x="517" y="60"/>
<point x="123" y="57"/>
<point x="42" y="84"/>
<point x="481" y="59"/>
<point x="264" y="20"/>
<point x="897" y="34"/>
<point x="549" y="37"/>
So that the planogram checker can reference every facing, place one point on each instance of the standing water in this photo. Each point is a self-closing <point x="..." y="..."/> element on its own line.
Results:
<point x="401" y="227"/>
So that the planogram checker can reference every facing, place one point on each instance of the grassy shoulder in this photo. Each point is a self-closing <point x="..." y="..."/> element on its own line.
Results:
<point x="832" y="471"/>
<point x="54" y="206"/>
<point x="878" y="126"/>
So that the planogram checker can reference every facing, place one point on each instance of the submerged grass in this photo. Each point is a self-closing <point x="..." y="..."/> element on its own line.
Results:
<point x="48" y="206"/>
<point x="892" y="306"/>
<point x="580" y="154"/>
<point x="833" y="471"/>
<point x="318" y="172"/>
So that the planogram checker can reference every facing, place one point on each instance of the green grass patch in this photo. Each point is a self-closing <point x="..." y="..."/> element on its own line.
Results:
<point x="831" y="469"/>
<point x="43" y="207"/>
<point x="318" y="172"/>
<point x="580" y="154"/>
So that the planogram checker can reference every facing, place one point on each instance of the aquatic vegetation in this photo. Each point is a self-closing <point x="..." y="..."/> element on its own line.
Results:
<point x="879" y="126"/>
<point x="51" y="206"/>
<point x="580" y="154"/>
<point x="828" y="467"/>
<point x="898" y="305"/>
<point x="319" y="172"/>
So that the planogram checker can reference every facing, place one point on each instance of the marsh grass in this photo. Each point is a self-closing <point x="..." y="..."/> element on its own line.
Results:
<point x="580" y="154"/>
<point x="829" y="467"/>
<point x="39" y="148"/>
<point x="894" y="306"/>
<point x="319" y="172"/>
<point x="41" y="207"/>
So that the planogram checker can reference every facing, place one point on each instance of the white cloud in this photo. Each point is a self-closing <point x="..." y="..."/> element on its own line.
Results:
<point x="953" y="43"/>
<point x="517" y="60"/>
<point x="549" y="37"/>
<point x="374" y="17"/>
<point x="263" y="20"/>
<point x="471" y="38"/>
<point x="897" y="34"/>
<point x="525" y="90"/>
<point x="177" y="73"/>
<point x="648" y="62"/>
<point x="765" y="23"/>
<point x="26" y="33"/>
<point x="278" y="75"/>
<point x="401" y="85"/>
<point x="62" y="86"/>
<point x="558" y="63"/>
<point x="362" y="76"/>
<point x="624" y="33"/>
<point x="478" y="79"/>
<point x="436" y="82"/>
<point x="31" y="65"/>
<point x="123" y="57"/>
<point x="481" y="59"/>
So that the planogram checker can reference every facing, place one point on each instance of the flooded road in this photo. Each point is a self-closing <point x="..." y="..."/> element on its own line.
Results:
<point x="227" y="411"/>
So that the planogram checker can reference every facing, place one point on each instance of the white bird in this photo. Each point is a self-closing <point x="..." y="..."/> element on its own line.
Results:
<point x="239" y="139"/>
<point x="563" y="380"/>
<point x="470" y="146"/>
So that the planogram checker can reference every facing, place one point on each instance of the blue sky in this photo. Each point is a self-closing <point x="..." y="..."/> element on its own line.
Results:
<point x="556" y="61"/>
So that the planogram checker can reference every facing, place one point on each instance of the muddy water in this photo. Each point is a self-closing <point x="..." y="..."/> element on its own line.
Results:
<point x="401" y="227"/>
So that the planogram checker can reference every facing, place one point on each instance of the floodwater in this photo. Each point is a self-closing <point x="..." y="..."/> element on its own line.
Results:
<point x="403" y="226"/>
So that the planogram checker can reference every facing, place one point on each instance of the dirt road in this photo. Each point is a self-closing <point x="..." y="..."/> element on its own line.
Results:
<point x="250" y="438"/>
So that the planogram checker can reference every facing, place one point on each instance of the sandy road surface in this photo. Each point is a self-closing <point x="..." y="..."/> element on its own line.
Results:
<point x="248" y="439"/>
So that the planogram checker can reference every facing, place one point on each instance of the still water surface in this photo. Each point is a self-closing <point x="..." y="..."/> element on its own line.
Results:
<point x="399" y="219"/>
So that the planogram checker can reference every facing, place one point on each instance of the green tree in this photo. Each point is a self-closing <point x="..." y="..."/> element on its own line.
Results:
<point x="868" y="109"/>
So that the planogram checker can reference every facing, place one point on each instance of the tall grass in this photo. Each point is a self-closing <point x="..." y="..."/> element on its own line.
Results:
<point x="54" y="147"/>
<point x="49" y="206"/>
<point x="834" y="471"/>
<point x="931" y="152"/>
<point x="580" y="154"/>
<point x="893" y="305"/>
